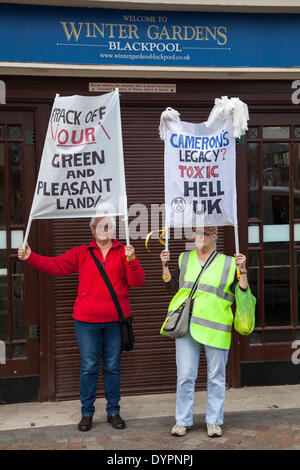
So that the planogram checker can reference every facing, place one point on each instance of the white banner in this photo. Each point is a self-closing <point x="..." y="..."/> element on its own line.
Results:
<point x="82" y="165"/>
<point x="200" y="174"/>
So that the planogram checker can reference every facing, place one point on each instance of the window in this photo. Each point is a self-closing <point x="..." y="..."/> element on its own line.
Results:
<point x="12" y="325"/>
<point x="274" y="231"/>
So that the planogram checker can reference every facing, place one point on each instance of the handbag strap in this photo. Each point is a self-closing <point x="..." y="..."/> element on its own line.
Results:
<point x="208" y="262"/>
<point x="108" y="284"/>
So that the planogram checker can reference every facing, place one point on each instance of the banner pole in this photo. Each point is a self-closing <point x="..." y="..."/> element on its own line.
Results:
<point x="167" y="239"/>
<point x="167" y="222"/>
<point x="236" y="237"/>
<point x="237" y="248"/>
<point x="27" y="232"/>
<point x="126" y="220"/>
<point x="125" y="197"/>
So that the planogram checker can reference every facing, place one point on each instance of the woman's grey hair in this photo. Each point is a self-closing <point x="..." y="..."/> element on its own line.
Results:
<point x="110" y="218"/>
<point x="92" y="222"/>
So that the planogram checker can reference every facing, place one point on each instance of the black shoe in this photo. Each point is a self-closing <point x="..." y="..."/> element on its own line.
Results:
<point x="116" y="421"/>
<point x="85" y="423"/>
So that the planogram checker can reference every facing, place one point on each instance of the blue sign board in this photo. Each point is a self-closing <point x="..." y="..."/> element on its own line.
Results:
<point x="64" y="35"/>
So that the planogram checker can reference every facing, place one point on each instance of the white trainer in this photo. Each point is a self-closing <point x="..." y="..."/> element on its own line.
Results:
<point x="213" y="430"/>
<point x="180" y="430"/>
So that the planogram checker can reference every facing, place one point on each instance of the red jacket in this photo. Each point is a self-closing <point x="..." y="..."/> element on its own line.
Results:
<point x="94" y="302"/>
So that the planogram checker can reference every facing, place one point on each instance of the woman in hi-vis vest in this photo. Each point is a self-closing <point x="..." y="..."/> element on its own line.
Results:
<point x="210" y="325"/>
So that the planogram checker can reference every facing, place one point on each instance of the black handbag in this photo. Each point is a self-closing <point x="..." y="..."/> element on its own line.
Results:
<point x="125" y="323"/>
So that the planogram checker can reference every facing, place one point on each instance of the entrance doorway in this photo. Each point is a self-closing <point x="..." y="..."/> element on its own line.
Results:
<point x="273" y="145"/>
<point x="19" y="313"/>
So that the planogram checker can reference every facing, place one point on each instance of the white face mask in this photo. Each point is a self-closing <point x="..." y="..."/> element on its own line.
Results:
<point x="199" y="240"/>
<point x="207" y="241"/>
<point x="199" y="244"/>
<point x="104" y="229"/>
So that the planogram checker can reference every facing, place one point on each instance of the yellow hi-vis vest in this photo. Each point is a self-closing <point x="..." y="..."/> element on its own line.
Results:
<point x="212" y="317"/>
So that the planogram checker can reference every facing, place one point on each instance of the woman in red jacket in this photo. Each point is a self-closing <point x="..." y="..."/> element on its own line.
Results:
<point x="96" y="318"/>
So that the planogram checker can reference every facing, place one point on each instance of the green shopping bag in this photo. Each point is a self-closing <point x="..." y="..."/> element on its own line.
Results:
<point x="244" y="320"/>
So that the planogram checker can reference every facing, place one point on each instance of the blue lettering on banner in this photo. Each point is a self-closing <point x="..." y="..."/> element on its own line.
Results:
<point x="199" y="143"/>
<point x="46" y="34"/>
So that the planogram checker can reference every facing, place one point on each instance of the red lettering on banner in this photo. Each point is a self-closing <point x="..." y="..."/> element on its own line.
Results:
<point x="206" y="172"/>
<point x="182" y="168"/>
<point x="73" y="138"/>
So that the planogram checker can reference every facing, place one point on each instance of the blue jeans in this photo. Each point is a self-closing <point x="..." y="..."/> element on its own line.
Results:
<point x="187" y="359"/>
<point x="99" y="341"/>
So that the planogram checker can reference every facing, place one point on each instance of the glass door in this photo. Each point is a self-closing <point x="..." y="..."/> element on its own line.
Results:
<point x="273" y="147"/>
<point x="19" y="315"/>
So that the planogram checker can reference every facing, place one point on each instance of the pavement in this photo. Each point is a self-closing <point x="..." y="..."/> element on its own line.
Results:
<point x="255" y="418"/>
